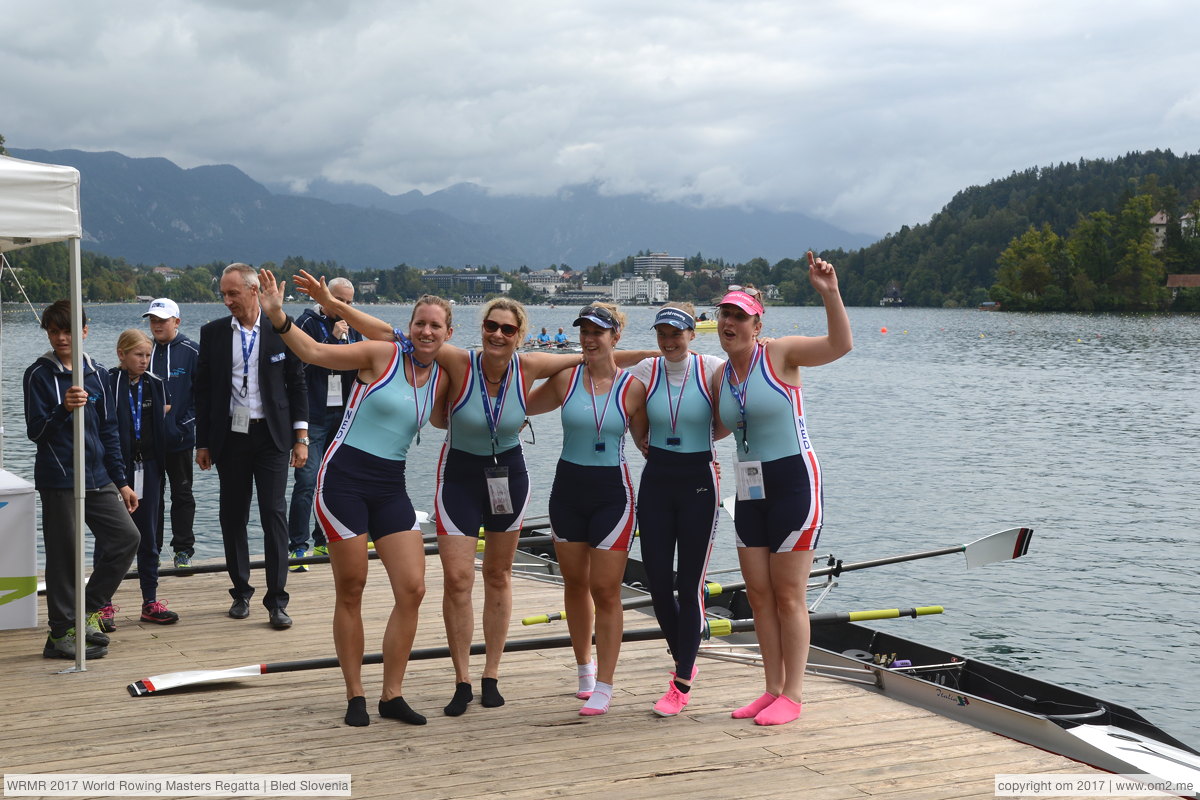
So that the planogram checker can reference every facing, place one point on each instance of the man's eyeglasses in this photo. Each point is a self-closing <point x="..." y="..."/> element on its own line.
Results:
<point x="491" y="326"/>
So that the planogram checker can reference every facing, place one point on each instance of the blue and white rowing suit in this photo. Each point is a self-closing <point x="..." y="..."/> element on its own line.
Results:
<point x="363" y="468"/>
<point x="592" y="496"/>
<point x="766" y="416"/>
<point x="679" y="496"/>
<point x="483" y="436"/>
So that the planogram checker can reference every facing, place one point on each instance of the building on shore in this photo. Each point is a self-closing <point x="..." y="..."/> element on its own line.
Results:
<point x="653" y="264"/>
<point x="640" y="290"/>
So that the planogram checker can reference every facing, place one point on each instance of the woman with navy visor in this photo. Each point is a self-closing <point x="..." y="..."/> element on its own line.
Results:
<point x="591" y="501"/>
<point x="678" y="498"/>
<point x="361" y="487"/>
<point x="779" y="509"/>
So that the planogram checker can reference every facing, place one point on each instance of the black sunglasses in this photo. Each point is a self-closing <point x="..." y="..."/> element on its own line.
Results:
<point x="491" y="326"/>
<point x="597" y="311"/>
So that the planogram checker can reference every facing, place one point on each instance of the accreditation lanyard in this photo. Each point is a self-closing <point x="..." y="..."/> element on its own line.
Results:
<point x="740" y="391"/>
<point x="599" y="419"/>
<point x="495" y="409"/>
<point x="135" y="411"/>
<point x="673" y="408"/>
<point x="422" y="407"/>
<point x="246" y="351"/>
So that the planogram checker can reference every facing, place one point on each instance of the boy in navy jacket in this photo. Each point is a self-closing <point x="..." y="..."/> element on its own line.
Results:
<point x="50" y="400"/>
<point x="173" y="358"/>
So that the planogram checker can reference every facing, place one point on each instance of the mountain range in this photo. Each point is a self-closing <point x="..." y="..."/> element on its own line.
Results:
<point x="151" y="211"/>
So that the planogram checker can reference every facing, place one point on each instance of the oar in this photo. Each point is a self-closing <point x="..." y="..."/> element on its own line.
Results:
<point x="220" y="566"/>
<point x="716" y="627"/>
<point x="1001" y="546"/>
<point x="175" y="680"/>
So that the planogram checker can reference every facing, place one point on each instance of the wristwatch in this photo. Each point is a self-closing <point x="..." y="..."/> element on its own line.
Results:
<point x="303" y="440"/>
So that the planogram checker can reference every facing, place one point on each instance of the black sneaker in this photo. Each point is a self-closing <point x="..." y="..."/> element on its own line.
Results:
<point x="64" y="647"/>
<point x="157" y="612"/>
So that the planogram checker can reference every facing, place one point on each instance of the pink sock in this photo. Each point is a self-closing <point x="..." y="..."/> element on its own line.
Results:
<point x="746" y="712"/>
<point x="597" y="704"/>
<point x="782" y="711"/>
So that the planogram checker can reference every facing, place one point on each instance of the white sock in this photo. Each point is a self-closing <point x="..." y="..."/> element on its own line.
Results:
<point x="587" y="676"/>
<point x="601" y="696"/>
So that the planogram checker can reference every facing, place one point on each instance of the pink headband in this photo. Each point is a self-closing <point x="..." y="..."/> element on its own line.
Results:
<point x="746" y="302"/>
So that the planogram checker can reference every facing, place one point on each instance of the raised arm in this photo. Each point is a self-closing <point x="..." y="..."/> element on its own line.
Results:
<point x="369" y="326"/>
<point x="813" y="351"/>
<point x="371" y="357"/>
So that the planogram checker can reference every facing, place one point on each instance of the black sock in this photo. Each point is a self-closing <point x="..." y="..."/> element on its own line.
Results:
<point x="462" y="696"/>
<point x="396" y="708"/>
<point x="356" y="712"/>
<point x="491" y="694"/>
<point x="683" y="687"/>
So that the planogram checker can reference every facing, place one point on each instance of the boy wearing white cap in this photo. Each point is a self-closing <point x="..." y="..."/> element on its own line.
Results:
<point x="173" y="359"/>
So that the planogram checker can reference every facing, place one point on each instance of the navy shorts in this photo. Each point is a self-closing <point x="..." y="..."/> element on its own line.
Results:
<point x="361" y="493"/>
<point x="592" y="505"/>
<point x="462" y="504"/>
<point x="790" y="516"/>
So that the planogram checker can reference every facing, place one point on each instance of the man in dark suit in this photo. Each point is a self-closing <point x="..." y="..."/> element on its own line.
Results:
<point x="252" y="422"/>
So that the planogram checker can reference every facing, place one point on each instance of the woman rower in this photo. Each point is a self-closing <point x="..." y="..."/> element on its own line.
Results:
<point x="361" y="489"/>
<point x="779" y="507"/>
<point x="593" y="529"/>
<point x="678" y="498"/>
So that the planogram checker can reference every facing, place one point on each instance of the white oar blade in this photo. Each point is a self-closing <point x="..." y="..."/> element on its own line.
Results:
<point x="173" y="680"/>
<point x="728" y="503"/>
<point x="1002" y="546"/>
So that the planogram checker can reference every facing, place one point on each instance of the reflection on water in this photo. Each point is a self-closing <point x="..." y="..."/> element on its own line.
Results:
<point x="952" y="425"/>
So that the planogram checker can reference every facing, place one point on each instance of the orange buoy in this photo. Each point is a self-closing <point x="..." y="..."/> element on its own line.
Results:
<point x="883" y="330"/>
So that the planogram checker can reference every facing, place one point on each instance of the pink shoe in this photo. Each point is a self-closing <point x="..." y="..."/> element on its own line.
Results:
<point x="672" y="702"/>
<point x="747" y="712"/>
<point x="781" y="712"/>
<point x="597" y="704"/>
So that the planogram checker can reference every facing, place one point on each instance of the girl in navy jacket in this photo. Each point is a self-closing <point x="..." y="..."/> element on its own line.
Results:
<point x="142" y="403"/>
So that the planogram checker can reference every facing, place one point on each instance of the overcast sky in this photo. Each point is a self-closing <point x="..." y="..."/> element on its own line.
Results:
<point x="869" y="115"/>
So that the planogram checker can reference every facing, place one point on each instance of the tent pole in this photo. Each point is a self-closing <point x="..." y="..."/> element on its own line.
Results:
<point x="79" y="415"/>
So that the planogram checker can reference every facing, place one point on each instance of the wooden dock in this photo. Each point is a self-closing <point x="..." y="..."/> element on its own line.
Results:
<point x="850" y="743"/>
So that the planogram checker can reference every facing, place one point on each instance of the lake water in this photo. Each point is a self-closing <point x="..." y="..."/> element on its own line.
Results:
<point x="951" y="425"/>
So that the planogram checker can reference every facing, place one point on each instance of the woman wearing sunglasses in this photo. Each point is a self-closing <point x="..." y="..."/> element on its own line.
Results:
<point x="361" y="485"/>
<point x="591" y="501"/>
<point x="678" y="498"/>
<point x="779" y="507"/>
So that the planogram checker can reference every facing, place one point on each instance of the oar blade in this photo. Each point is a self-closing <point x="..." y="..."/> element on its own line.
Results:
<point x="173" y="680"/>
<point x="728" y="504"/>
<point x="1002" y="546"/>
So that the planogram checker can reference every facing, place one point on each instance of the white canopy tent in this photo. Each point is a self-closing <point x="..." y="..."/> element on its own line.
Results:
<point x="39" y="204"/>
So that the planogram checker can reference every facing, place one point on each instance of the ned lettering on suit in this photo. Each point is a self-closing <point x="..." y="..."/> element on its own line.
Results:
<point x="252" y="422"/>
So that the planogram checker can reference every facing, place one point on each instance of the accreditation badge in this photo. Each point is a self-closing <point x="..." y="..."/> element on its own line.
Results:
<point x="139" y="479"/>
<point x="241" y="419"/>
<point x="750" y="481"/>
<point x="498" y="493"/>
<point x="333" y="393"/>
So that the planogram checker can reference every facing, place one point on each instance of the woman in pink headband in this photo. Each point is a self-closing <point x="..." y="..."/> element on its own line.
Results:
<point x="779" y="506"/>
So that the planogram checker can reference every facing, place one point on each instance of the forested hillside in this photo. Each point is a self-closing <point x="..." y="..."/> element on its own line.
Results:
<point x="1070" y="237"/>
